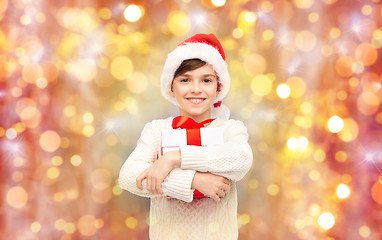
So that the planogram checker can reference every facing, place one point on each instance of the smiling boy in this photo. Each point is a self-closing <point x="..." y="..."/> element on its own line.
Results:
<point x="196" y="79"/>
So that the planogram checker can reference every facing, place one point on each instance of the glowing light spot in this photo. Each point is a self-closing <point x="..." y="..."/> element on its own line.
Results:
<point x="253" y="183"/>
<point x="250" y="17"/>
<point x="303" y="142"/>
<point x="297" y="86"/>
<point x="376" y="192"/>
<point x="268" y="35"/>
<point x="41" y="83"/>
<point x="99" y="223"/>
<point x="356" y="28"/>
<point x="367" y="9"/>
<point x="342" y="95"/>
<point x="11" y="133"/>
<point x="343" y="191"/>
<point x="314" y="175"/>
<point x="368" y="103"/>
<point x="59" y="197"/>
<point x="341" y="156"/>
<point x="378" y="118"/>
<point x="117" y="190"/>
<point x="283" y="90"/>
<point x="179" y="23"/>
<point x="326" y="220"/>
<point x="88" y="130"/>
<point x="69" y="111"/>
<point x="86" y="225"/>
<point x="56" y="160"/>
<point x="53" y="172"/>
<point x="314" y="210"/>
<point x="88" y="117"/>
<point x="69" y="228"/>
<point x="25" y="19"/>
<point x="105" y="13"/>
<point x="292" y="143"/>
<point x="131" y="222"/>
<point x="313" y="17"/>
<point x="350" y="131"/>
<point x="303" y="3"/>
<point x="59" y="224"/>
<point x="132" y="13"/>
<point x="218" y="3"/>
<point x="50" y="141"/>
<point x="366" y="54"/>
<point x="364" y="231"/>
<point x="76" y="160"/>
<point x="17" y="197"/>
<point x="344" y="66"/>
<point x="273" y="189"/>
<point x="35" y="227"/>
<point x="85" y="70"/>
<point x="16" y="92"/>
<point x="306" y="107"/>
<point x="335" y="33"/>
<point x="335" y="124"/>
<point x="121" y="67"/>
<point x="261" y="85"/>
<point x="244" y="219"/>
<point x="237" y="33"/>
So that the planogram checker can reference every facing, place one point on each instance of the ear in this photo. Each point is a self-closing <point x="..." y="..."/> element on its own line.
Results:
<point x="172" y="94"/>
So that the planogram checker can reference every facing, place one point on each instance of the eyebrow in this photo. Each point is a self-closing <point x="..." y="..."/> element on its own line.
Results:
<point x="204" y="75"/>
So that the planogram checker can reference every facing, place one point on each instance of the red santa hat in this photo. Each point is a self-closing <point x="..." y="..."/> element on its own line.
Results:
<point x="205" y="47"/>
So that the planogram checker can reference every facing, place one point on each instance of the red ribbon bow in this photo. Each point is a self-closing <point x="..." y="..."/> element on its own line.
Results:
<point x="193" y="135"/>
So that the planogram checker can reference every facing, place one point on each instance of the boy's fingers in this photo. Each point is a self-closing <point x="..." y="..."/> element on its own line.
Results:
<point x="139" y="182"/>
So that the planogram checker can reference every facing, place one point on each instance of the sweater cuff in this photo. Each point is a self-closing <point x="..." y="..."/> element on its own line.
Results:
<point x="179" y="184"/>
<point x="193" y="157"/>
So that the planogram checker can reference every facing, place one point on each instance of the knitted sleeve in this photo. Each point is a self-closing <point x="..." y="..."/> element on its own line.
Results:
<point x="233" y="159"/>
<point x="177" y="184"/>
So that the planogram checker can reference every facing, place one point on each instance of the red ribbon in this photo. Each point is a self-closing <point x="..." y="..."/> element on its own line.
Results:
<point x="193" y="135"/>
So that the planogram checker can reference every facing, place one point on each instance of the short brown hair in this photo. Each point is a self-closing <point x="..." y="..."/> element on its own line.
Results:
<point x="189" y="65"/>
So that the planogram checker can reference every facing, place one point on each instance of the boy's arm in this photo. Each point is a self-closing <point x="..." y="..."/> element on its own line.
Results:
<point x="233" y="159"/>
<point x="177" y="184"/>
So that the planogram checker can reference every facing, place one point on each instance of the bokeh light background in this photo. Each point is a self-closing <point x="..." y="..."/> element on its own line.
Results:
<point x="79" y="79"/>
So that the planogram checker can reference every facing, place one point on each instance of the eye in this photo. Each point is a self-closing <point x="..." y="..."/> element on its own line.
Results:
<point x="207" y="80"/>
<point x="184" y="80"/>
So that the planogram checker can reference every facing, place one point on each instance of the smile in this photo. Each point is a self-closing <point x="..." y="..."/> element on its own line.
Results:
<point x="196" y="100"/>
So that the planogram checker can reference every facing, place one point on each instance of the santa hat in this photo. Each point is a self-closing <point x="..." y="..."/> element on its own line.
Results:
<point x="205" y="47"/>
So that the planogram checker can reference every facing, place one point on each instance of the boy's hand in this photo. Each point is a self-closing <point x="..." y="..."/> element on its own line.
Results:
<point x="214" y="186"/>
<point x="158" y="171"/>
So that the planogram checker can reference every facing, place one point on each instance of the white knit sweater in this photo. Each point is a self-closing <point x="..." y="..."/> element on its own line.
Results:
<point x="183" y="217"/>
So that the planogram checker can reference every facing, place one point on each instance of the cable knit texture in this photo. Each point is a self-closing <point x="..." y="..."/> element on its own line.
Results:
<point x="183" y="217"/>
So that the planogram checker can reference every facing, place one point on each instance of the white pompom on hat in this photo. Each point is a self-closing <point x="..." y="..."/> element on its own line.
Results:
<point x="205" y="47"/>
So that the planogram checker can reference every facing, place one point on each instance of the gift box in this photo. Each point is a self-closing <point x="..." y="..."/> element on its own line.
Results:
<point x="172" y="139"/>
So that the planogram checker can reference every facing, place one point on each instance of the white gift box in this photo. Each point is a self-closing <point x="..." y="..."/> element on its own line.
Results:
<point x="172" y="139"/>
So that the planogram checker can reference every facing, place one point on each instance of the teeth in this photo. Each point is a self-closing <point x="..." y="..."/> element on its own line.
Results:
<point x="195" y="100"/>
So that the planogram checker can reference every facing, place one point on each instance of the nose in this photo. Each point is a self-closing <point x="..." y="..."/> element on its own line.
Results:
<point x="196" y="87"/>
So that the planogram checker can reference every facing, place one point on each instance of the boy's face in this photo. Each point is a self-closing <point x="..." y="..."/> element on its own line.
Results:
<point x="196" y="91"/>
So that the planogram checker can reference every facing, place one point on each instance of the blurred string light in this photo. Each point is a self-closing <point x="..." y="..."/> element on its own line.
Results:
<point x="133" y="13"/>
<point x="335" y="124"/>
<point x="218" y="3"/>
<point x="326" y="220"/>
<point x="343" y="191"/>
